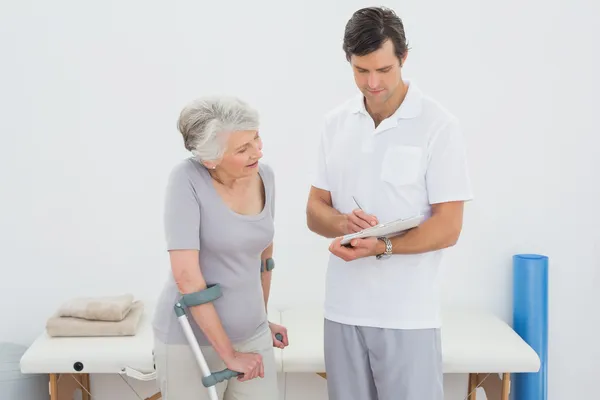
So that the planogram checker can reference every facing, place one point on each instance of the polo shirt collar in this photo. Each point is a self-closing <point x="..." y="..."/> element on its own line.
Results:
<point x="410" y="107"/>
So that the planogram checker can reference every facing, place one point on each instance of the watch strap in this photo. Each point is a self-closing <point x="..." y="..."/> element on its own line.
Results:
<point x="388" y="248"/>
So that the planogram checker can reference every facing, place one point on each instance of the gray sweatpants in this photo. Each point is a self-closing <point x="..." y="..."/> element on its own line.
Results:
<point x="366" y="363"/>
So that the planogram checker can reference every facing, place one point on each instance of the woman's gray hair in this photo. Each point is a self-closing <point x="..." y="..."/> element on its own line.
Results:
<point x="206" y="122"/>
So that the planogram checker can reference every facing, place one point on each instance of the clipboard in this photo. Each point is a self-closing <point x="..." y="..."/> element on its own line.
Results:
<point x="387" y="229"/>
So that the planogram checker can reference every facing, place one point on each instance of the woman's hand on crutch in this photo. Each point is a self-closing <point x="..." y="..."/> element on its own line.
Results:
<point x="250" y="365"/>
<point x="279" y="334"/>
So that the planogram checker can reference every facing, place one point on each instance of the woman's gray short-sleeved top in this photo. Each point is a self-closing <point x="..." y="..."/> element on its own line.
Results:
<point x="230" y="247"/>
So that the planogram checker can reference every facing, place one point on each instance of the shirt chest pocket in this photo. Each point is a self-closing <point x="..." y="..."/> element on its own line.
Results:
<point x="401" y="165"/>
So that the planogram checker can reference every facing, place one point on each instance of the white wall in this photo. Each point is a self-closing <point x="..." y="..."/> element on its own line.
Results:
<point x="90" y="94"/>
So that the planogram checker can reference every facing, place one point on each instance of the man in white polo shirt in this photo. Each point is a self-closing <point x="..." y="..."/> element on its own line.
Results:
<point x="390" y="152"/>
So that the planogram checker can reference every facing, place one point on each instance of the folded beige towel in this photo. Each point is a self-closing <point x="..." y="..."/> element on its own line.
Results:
<point x="109" y="308"/>
<point x="70" y="326"/>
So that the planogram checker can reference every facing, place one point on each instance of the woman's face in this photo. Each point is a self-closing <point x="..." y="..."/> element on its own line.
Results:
<point x="243" y="150"/>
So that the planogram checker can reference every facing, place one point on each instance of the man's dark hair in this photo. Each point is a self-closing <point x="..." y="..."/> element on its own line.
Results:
<point x="369" y="28"/>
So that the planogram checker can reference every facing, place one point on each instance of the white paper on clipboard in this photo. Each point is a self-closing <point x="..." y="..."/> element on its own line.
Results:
<point x="387" y="229"/>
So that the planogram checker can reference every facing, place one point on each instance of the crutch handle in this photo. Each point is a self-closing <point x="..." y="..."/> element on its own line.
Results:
<point x="225" y="374"/>
<point x="219" y="376"/>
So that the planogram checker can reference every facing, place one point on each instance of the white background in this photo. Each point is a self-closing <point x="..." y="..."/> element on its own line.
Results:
<point x="90" y="93"/>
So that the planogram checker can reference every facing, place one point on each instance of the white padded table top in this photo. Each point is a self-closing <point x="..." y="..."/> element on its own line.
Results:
<point x="305" y="332"/>
<point x="475" y="341"/>
<point x="103" y="354"/>
<point x="96" y="354"/>
<point x="471" y="342"/>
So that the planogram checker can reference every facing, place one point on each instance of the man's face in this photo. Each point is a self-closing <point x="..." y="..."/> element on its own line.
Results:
<point x="377" y="74"/>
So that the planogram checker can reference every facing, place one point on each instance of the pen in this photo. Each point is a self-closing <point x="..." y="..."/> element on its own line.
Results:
<point x="356" y="202"/>
<point x="358" y="205"/>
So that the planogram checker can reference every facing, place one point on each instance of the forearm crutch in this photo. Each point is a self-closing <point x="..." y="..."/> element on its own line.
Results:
<point x="209" y="379"/>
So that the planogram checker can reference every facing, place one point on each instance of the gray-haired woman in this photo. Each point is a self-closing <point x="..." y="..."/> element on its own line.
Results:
<point x="219" y="214"/>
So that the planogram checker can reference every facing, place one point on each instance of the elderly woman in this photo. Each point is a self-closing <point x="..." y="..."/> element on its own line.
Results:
<point x="220" y="206"/>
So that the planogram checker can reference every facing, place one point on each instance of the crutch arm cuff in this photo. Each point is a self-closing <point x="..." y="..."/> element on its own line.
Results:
<point x="267" y="265"/>
<point x="211" y="293"/>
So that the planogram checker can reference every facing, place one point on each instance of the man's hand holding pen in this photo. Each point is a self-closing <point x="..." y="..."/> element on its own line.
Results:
<point x="358" y="220"/>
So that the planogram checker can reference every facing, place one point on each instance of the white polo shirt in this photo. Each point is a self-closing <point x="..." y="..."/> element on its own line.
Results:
<point x="413" y="159"/>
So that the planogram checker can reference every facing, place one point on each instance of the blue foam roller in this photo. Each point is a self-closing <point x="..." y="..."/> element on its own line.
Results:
<point x="530" y="321"/>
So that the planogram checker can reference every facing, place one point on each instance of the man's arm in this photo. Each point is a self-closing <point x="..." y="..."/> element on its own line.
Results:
<point x="326" y="221"/>
<point x="265" y="276"/>
<point x="321" y="217"/>
<point x="441" y="230"/>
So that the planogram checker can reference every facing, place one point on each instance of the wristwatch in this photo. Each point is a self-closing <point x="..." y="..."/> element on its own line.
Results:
<point x="388" y="248"/>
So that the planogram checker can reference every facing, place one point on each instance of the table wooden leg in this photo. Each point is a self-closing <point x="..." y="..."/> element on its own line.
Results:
<point x="53" y="386"/>
<point x="505" y="385"/>
<point x="85" y="383"/>
<point x="64" y="386"/>
<point x="494" y="387"/>
<point x="155" y="396"/>
<point x="472" y="386"/>
<point x="322" y="375"/>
